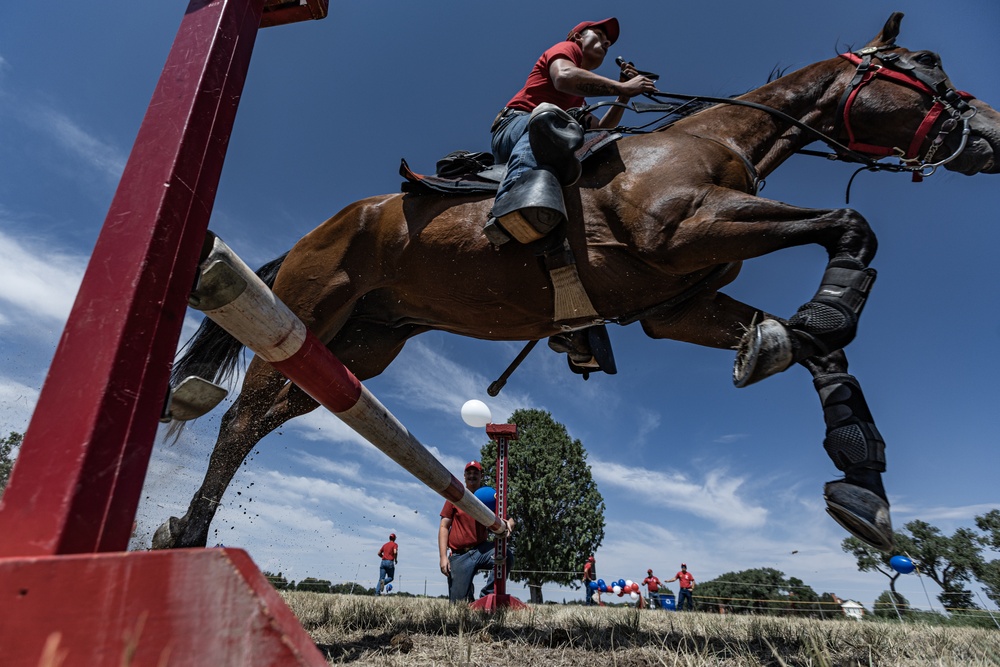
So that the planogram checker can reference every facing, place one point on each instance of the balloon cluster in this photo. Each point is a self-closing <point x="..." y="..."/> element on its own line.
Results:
<point x="619" y="588"/>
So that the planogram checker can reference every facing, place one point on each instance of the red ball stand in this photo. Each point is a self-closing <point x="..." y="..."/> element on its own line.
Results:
<point x="502" y="434"/>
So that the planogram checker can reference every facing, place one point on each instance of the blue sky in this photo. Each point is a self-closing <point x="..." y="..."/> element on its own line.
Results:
<point x="692" y="469"/>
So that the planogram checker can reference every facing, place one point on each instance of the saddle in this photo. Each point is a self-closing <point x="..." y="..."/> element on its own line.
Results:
<point x="464" y="172"/>
<point x="585" y="338"/>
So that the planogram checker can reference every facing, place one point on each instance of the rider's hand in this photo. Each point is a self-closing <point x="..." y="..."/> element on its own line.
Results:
<point x="446" y="566"/>
<point x="636" y="86"/>
<point x="628" y="72"/>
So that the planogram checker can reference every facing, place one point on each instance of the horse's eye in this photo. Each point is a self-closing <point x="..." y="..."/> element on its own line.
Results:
<point x="928" y="59"/>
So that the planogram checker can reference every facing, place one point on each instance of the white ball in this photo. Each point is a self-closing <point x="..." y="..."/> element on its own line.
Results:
<point x="476" y="414"/>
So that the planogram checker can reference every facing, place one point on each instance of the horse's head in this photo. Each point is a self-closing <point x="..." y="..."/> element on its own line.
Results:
<point x="901" y="103"/>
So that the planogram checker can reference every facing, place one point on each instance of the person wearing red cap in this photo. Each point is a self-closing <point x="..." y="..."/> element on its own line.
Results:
<point x="535" y="136"/>
<point x="463" y="545"/>
<point x="652" y="585"/>
<point x="686" y="588"/>
<point x="389" y="553"/>
<point x="589" y="575"/>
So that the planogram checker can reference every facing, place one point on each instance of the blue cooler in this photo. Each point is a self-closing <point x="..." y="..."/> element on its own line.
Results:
<point x="668" y="602"/>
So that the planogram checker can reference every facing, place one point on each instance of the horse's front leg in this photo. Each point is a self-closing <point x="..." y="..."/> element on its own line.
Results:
<point x="858" y="502"/>
<point x="828" y="322"/>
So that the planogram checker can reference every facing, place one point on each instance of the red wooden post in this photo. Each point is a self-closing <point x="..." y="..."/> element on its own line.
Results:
<point x="77" y="481"/>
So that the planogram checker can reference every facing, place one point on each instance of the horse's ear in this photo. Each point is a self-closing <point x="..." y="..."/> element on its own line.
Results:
<point x="890" y="31"/>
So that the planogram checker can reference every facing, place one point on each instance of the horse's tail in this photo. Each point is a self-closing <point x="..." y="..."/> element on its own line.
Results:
<point x="212" y="353"/>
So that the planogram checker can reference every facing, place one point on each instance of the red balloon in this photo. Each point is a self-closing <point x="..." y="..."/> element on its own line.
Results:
<point x="635" y="587"/>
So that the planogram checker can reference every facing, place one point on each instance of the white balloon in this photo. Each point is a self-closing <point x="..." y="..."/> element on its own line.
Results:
<point x="628" y="583"/>
<point x="476" y="414"/>
<point x="634" y="596"/>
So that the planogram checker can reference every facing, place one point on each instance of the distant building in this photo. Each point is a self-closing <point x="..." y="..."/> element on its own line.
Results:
<point x="850" y="608"/>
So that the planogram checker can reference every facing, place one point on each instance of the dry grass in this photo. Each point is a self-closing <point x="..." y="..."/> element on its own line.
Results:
<point x="416" y="631"/>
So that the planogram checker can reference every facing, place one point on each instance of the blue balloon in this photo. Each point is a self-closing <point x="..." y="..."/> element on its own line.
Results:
<point x="389" y="587"/>
<point x="621" y="583"/>
<point x="488" y="496"/>
<point x="902" y="564"/>
<point x="592" y="585"/>
<point x="601" y="584"/>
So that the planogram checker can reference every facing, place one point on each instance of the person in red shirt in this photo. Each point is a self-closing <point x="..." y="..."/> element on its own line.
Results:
<point x="589" y="575"/>
<point x="463" y="544"/>
<point x="389" y="553"/>
<point x="686" y="588"/>
<point x="536" y="136"/>
<point x="652" y="585"/>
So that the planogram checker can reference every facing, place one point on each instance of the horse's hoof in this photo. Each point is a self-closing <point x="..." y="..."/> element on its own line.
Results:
<point x="764" y="350"/>
<point x="166" y="536"/>
<point x="862" y="513"/>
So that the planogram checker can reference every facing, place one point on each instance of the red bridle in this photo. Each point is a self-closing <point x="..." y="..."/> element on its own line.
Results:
<point x="868" y="72"/>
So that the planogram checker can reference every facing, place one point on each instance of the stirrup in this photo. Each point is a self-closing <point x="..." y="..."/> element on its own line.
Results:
<point x="860" y="512"/>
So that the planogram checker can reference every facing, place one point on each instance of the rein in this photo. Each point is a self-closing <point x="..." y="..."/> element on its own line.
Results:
<point x="870" y="156"/>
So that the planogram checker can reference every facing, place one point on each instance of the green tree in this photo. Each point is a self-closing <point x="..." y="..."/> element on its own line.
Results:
<point x="7" y="456"/>
<point x="760" y="590"/>
<point x="314" y="585"/>
<point x="950" y="562"/>
<point x="988" y="571"/>
<point x="277" y="580"/>
<point x="891" y="604"/>
<point x="553" y="496"/>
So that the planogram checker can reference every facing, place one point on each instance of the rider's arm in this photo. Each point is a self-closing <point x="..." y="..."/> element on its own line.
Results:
<point x="443" y="531"/>
<point x="568" y="78"/>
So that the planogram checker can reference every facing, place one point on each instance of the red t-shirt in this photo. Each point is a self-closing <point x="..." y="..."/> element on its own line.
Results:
<point x="465" y="531"/>
<point x="685" y="579"/>
<point x="539" y="87"/>
<point x="652" y="583"/>
<point x="589" y="572"/>
<point x="389" y="551"/>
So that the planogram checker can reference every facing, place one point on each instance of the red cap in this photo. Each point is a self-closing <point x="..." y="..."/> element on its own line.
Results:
<point x="392" y="536"/>
<point x="474" y="464"/>
<point x="684" y="564"/>
<point x="591" y="559"/>
<point x="609" y="26"/>
<point x="649" y="572"/>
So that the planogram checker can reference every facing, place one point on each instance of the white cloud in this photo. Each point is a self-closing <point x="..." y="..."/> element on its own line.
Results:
<point x="68" y="135"/>
<point x="716" y="498"/>
<point x="17" y="402"/>
<point x="37" y="281"/>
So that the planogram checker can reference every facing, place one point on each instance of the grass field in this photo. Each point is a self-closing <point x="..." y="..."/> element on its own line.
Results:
<point x="417" y="631"/>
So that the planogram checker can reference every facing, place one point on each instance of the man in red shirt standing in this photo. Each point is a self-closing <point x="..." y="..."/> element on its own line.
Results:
<point x="652" y="584"/>
<point x="589" y="575"/>
<point x="535" y="136"/>
<point x="389" y="553"/>
<point x="463" y="544"/>
<point x="686" y="588"/>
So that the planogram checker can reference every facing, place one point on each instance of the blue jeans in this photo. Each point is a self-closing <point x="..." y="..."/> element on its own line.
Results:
<point x="654" y="601"/>
<point x="682" y="595"/>
<point x="510" y="144"/>
<point x="590" y="593"/>
<point x="464" y="568"/>
<point x="386" y="572"/>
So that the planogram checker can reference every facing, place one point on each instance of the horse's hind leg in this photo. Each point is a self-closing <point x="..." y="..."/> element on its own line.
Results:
<point x="266" y="401"/>
<point x="858" y="502"/>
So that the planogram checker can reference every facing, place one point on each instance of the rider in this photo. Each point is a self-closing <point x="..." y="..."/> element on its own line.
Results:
<point x="537" y="138"/>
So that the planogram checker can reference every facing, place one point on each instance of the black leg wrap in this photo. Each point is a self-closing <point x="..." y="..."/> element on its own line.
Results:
<point x="857" y="502"/>
<point x="852" y="440"/>
<point x="830" y="321"/>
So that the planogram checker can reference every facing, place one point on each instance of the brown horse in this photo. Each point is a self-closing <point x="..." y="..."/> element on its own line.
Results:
<point x="652" y="216"/>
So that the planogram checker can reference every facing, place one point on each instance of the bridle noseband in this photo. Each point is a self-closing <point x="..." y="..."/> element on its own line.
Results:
<point x="933" y="83"/>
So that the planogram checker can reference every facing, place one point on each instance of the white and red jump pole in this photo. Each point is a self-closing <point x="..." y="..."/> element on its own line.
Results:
<point x="230" y="294"/>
